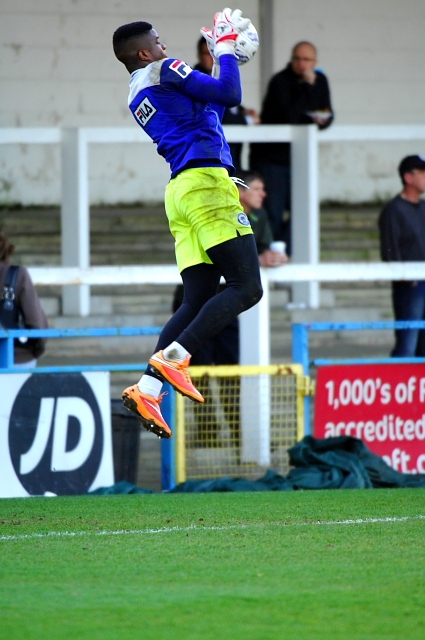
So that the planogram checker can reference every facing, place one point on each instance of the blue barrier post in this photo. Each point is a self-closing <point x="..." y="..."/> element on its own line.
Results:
<point x="300" y="356"/>
<point x="168" y="454"/>
<point x="6" y="350"/>
<point x="300" y="346"/>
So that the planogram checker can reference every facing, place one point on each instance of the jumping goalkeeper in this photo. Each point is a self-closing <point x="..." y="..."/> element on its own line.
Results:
<point x="181" y="110"/>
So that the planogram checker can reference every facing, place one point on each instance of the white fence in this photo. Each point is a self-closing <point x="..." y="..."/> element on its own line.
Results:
<point x="305" y="272"/>
<point x="75" y="143"/>
<point x="254" y="323"/>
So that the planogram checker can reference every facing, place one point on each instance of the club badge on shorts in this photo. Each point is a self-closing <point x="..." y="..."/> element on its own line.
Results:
<point x="243" y="219"/>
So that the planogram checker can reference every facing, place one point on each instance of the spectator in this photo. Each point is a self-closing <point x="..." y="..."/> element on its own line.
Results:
<point x="223" y="348"/>
<point x="205" y="59"/>
<point x="26" y="309"/>
<point x="232" y="115"/>
<point x="402" y="239"/>
<point x="299" y="94"/>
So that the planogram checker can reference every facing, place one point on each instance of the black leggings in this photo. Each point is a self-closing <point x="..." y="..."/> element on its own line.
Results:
<point x="204" y="312"/>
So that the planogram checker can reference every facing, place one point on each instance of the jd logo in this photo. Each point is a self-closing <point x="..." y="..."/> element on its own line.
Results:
<point x="56" y="434"/>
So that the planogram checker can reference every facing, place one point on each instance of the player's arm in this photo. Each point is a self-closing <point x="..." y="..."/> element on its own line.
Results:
<point x="224" y="87"/>
<point x="225" y="90"/>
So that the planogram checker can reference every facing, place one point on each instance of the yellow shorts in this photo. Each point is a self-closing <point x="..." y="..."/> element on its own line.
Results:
<point x="203" y="210"/>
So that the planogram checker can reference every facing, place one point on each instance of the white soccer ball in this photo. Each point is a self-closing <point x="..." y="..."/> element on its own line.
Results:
<point x="247" y="44"/>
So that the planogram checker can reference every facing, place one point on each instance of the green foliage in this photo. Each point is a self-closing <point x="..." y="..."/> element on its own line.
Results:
<point x="240" y="566"/>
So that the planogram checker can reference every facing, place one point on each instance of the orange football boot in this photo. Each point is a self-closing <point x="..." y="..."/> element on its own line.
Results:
<point x="176" y="374"/>
<point x="147" y="409"/>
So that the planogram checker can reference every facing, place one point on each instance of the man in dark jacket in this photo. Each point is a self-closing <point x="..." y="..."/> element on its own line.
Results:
<point x="299" y="94"/>
<point x="402" y="239"/>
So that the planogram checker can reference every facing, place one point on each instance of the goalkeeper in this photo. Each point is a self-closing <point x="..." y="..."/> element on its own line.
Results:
<point x="181" y="110"/>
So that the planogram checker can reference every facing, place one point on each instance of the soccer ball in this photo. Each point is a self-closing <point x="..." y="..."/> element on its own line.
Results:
<point x="247" y="44"/>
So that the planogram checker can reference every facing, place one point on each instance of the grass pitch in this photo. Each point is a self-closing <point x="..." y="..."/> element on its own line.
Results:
<point x="248" y="566"/>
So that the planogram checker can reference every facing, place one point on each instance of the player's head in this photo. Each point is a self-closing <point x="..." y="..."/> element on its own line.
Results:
<point x="137" y="44"/>
<point x="303" y="57"/>
<point x="253" y="197"/>
<point x="204" y="56"/>
<point x="6" y="248"/>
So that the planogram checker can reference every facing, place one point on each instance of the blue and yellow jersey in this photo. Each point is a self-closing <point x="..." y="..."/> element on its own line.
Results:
<point x="181" y="109"/>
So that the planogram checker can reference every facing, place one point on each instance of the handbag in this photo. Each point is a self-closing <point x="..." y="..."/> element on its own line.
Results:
<point x="10" y="314"/>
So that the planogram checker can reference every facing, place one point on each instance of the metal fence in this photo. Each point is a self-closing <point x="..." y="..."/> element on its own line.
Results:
<point x="250" y="418"/>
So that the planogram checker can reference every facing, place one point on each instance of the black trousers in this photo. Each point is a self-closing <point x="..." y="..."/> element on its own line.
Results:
<point x="205" y="311"/>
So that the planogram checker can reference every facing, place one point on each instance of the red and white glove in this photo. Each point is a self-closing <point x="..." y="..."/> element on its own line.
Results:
<point x="227" y="26"/>
<point x="236" y="20"/>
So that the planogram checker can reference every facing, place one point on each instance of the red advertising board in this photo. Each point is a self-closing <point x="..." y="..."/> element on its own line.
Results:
<point x="382" y="404"/>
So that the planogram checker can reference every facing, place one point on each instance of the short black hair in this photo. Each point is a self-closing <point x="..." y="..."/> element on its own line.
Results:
<point x="123" y="37"/>
<point x="200" y="45"/>
<point x="409" y="163"/>
<point x="249" y="176"/>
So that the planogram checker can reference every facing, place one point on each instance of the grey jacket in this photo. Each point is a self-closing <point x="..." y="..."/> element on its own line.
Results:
<point x="27" y="301"/>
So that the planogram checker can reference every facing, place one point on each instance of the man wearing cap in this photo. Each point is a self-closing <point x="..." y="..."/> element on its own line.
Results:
<point x="402" y="238"/>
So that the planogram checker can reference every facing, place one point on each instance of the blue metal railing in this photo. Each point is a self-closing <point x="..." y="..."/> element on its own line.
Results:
<point x="300" y="354"/>
<point x="7" y="337"/>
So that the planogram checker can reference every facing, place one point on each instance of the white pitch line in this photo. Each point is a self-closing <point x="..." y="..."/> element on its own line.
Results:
<point x="123" y="532"/>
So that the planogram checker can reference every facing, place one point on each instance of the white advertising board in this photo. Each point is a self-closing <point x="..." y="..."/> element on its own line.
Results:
<point x="55" y="433"/>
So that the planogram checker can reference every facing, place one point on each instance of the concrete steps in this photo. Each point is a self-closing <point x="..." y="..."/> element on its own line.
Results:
<point x="140" y="235"/>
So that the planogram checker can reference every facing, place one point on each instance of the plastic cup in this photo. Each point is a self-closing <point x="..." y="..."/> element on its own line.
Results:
<point x="278" y="245"/>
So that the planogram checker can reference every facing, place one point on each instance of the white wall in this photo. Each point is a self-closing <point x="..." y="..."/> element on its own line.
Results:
<point x="57" y="68"/>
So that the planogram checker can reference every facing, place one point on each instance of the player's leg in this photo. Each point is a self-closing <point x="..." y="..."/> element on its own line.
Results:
<point x="204" y="211"/>
<point x="237" y="259"/>
<point x="208" y="225"/>
<point x="408" y="304"/>
<point x="200" y="283"/>
<point x="420" y="345"/>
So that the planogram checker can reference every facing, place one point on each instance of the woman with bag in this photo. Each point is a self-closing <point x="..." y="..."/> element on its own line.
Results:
<point x="20" y="307"/>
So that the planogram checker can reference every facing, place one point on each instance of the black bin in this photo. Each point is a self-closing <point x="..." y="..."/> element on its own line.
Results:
<point x="125" y="442"/>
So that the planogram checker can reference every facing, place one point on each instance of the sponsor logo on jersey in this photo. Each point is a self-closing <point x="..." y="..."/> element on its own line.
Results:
<point x="181" y="68"/>
<point x="144" y="111"/>
<point x="243" y="219"/>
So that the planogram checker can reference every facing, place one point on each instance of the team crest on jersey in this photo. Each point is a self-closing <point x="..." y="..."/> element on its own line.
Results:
<point x="144" y="111"/>
<point x="181" y="68"/>
<point x="243" y="219"/>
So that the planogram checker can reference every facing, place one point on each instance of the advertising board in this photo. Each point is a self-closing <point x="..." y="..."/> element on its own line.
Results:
<point x="381" y="404"/>
<point x="55" y="433"/>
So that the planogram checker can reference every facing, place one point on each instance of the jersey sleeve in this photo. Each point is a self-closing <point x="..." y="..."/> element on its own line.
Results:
<point x="223" y="92"/>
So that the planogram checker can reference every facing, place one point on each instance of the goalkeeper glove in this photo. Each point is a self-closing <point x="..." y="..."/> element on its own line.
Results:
<point x="235" y="19"/>
<point x="227" y="26"/>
